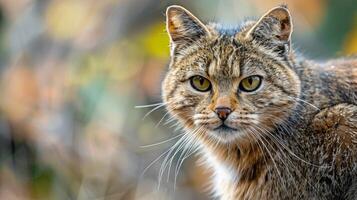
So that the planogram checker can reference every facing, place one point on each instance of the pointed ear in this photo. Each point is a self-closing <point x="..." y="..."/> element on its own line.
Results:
<point x="275" y="27"/>
<point x="182" y="26"/>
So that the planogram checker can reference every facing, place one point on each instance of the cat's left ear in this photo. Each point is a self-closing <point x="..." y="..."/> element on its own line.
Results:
<point x="273" y="29"/>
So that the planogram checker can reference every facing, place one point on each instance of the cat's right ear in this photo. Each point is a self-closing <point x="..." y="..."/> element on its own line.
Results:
<point x="182" y="26"/>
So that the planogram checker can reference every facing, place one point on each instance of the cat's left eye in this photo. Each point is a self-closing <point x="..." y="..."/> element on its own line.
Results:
<point x="200" y="83"/>
<point x="250" y="84"/>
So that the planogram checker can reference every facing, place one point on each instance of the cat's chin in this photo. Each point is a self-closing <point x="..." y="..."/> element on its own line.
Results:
<point x="225" y="134"/>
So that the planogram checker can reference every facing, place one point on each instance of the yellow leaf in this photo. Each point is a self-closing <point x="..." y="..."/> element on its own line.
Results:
<point x="156" y="41"/>
<point x="351" y="40"/>
<point x="66" y="19"/>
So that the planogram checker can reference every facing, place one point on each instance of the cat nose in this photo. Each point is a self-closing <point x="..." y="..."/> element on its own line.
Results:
<point x="223" y="112"/>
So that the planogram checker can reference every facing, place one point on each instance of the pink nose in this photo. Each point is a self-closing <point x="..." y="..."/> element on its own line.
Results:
<point x="223" y="112"/>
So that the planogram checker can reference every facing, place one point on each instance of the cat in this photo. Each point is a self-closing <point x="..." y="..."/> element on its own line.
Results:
<point x="270" y="124"/>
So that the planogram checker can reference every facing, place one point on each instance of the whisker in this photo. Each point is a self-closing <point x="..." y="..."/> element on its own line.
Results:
<point x="179" y="148"/>
<point x="288" y="159"/>
<point x="162" y="142"/>
<point x="185" y="142"/>
<point x="152" y="110"/>
<point x="277" y="144"/>
<point x="167" y="160"/>
<point x="149" y="105"/>
<point x="153" y="162"/>
<point x="271" y="156"/>
<point x="162" y="118"/>
<point x="310" y="104"/>
<point x="284" y="126"/>
<point x="192" y="144"/>
<point x="163" y="165"/>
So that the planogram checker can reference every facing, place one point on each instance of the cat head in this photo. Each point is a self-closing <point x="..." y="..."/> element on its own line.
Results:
<point x="227" y="84"/>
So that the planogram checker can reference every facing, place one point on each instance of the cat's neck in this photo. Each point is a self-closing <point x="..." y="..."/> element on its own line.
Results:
<point x="239" y="166"/>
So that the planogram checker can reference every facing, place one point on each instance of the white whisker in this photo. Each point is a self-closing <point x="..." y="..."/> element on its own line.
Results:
<point x="149" y="105"/>
<point x="152" y="110"/>
<point x="310" y="104"/>
<point x="162" y="118"/>
<point x="162" y="142"/>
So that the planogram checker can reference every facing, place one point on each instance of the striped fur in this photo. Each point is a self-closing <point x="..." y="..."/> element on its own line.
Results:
<point x="294" y="138"/>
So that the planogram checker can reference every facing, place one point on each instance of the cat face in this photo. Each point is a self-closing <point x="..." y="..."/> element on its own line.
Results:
<point x="226" y="85"/>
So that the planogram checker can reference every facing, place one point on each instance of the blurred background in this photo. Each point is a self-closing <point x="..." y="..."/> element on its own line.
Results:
<point x="72" y="72"/>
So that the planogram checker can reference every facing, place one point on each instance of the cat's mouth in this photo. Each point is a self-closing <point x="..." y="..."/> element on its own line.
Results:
<point x="225" y="128"/>
<point x="225" y="133"/>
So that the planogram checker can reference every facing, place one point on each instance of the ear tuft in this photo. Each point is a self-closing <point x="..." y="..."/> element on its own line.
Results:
<point x="183" y="26"/>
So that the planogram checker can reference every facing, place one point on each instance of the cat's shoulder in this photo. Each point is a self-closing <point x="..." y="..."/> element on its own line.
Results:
<point x="336" y="126"/>
<point x="341" y="65"/>
<point x="342" y="71"/>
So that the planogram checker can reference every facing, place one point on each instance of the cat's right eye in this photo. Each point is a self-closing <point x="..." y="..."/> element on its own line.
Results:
<point x="200" y="83"/>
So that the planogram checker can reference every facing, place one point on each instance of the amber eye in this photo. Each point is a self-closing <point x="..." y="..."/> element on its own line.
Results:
<point x="250" y="83"/>
<point x="200" y="83"/>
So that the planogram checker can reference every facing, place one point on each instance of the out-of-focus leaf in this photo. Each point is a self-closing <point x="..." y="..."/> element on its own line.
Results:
<point x="156" y="41"/>
<point x="66" y="19"/>
<point x="21" y="96"/>
<point x="42" y="182"/>
<point x="117" y="63"/>
<point x="351" y="40"/>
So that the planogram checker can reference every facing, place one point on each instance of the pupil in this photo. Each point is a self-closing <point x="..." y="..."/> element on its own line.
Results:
<point x="250" y="81"/>
<point x="201" y="81"/>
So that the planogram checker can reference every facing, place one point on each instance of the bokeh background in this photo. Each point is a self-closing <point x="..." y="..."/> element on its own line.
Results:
<point x="72" y="72"/>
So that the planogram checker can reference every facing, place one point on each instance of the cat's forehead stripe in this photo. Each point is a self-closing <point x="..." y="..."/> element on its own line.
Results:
<point x="225" y="63"/>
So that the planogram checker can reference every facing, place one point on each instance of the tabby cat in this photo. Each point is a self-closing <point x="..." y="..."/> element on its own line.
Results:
<point x="269" y="124"/>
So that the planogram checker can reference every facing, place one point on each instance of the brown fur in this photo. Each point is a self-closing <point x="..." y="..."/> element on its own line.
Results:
<point x="293" y="138"/>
